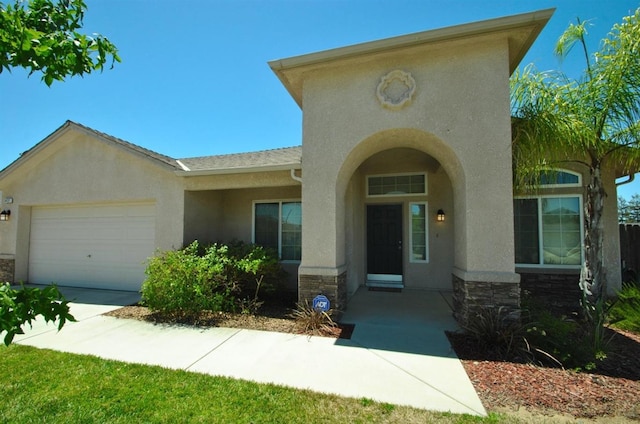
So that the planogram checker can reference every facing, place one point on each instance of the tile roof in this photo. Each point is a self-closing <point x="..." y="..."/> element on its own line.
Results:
<point x="240" y="162"/>
<point x="260" y="159"/>
<point x="150" y="154"/>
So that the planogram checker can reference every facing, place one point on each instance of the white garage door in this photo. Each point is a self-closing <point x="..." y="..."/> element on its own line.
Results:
<point x="102" y="246"/>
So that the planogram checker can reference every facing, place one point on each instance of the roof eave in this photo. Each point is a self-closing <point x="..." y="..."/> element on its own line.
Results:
<point x="72" y="126"/>
<point x="536" y="20"/>
<point x="33" y="151"/>
<point x="240" y="170"/>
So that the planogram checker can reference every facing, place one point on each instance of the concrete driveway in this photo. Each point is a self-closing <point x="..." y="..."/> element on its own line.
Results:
<point x="398" y="352"/>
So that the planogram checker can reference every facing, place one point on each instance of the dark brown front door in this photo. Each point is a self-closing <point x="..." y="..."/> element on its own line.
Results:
<point x="384" y="239"/>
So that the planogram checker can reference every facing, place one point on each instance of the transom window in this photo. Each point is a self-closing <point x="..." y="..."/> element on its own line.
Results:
<point x="548" y="231"/>
<point x="560" y="177"/>
<point x="396" y="185"/>
<point x="278" y="225"/>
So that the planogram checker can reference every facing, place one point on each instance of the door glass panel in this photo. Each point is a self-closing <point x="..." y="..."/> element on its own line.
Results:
<point x="418" y="232"/>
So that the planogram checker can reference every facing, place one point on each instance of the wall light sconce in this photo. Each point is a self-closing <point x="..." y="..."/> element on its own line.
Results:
<point x="440" y="215"/>
<point x="5" y="215"/>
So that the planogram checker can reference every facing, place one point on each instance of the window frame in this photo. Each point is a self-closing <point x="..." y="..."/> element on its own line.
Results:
<point x="401" y="174"/>
<point x="426" y="232"/>
<point x="279" y="202"/>
<point x="566" y="171"/>
<point x="541" y="263"/>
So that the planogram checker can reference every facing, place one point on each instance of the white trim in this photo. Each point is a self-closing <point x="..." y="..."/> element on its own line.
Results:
<point x="384" y="277"/>
<point x="391" y="281"/>
<point x="239" y="170"/>
<point x="426" y="233"/>
<point x="402" y="174"/>
<point x="541" y="264"/>
<point x="566" y="171"/>
<point x="182" y="165"/>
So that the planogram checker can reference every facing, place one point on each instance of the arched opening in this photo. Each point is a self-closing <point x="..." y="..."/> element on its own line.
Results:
<point x="390" y="188"/>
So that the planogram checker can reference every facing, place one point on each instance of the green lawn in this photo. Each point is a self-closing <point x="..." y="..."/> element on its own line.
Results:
<point x="45" y="386"/>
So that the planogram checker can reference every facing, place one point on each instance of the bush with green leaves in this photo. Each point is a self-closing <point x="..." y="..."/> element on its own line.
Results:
<point x="254" y="267"/>
<point x="22" y="306"/>
<point x="559" y="340"/>
<point x="496" y="328"/>
<point x="625" y="312"/>
<point x="215" y="278"/>
<point x="536" y="335"/>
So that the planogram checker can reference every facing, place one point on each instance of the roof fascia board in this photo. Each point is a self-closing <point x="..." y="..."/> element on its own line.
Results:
<point x="124" y="147"/>
<point x="240" y="170"/>
<point x="33" y="151"/>
<point x="72" y="126"/>
<point x="537" y="20"/>
<point x="425" y="37"/>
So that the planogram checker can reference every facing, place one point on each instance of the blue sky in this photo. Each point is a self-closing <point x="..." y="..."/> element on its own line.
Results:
<point x="194" y="78"/>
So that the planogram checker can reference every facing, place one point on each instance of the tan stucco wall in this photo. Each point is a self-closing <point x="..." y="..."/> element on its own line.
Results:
<point x="240" y="180"/>
<point x="79" y="169"/>
<point x="459" y="115"/>
<point x="203" y="216"/>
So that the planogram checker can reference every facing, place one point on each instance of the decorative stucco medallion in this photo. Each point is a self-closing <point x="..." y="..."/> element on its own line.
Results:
<point x="396" y="89"/>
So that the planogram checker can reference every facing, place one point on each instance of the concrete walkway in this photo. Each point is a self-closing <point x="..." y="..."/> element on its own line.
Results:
<point x="398" y="352"/>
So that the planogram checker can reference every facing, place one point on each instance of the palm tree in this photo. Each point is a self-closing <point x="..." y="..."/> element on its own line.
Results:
<point x="593" y="121"/>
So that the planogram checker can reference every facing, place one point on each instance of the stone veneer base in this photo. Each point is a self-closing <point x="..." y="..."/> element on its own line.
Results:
<point x="7" y="270"/>
<point x="332" y="286"/>
<point x="558" y="292"/>
<point x="470" y="297"/>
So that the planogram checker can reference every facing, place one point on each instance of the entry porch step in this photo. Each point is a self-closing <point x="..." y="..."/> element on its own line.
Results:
<point x="379" y="284"/>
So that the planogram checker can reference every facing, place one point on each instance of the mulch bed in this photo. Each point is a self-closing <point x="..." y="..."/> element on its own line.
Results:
<point x="273" y="318"/>
<point x="612" y="390"/>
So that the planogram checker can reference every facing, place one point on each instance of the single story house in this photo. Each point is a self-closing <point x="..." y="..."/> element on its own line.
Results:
<point x="403" y="179"/>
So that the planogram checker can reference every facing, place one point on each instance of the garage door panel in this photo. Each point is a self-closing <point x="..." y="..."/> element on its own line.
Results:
<point x="92" y="246"/>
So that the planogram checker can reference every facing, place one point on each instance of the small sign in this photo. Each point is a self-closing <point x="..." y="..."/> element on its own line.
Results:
<point x="321" y="303"/>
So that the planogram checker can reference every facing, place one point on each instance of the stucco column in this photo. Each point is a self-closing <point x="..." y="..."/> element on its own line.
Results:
<point x="484" y="269"/>
<point x="323" y="265"/>
<point x="322" y="269"/>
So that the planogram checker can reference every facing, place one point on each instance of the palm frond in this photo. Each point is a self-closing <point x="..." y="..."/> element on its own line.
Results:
<point x="570" y="37"/>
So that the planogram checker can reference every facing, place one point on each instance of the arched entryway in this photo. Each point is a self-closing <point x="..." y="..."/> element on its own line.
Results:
<point x="393" y="184"/>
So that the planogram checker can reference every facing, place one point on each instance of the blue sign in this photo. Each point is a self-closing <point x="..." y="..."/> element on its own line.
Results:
<point x="321" y="303"/>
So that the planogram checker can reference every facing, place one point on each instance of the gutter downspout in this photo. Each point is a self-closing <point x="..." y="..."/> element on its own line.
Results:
<point x="631" y="178"/>
<point x="295" y="177"/>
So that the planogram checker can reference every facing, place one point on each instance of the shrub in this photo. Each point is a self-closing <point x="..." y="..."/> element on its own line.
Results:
<point x="19" y="307"/>
<point x="310" y="320"/>
<point x="256" y="268"/>
<point x="536" y="336"/>
<point x="496" y="328"/>
<point x="558" y="340"/>
<point x="625" y="312"/>
<point x="195" y="279"/>
<point x="572" y="341"/>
